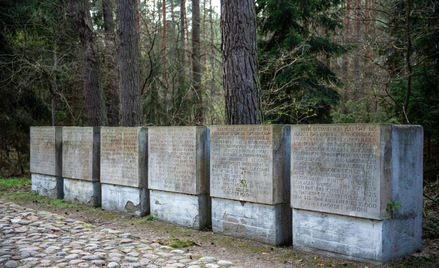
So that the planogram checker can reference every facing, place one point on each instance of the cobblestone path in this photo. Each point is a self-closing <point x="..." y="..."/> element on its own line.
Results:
<point x="30" y="238"/>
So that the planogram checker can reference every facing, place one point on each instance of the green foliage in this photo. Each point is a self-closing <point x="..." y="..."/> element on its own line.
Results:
<point x="7" y="183"/>
<point x="415" y="36"/>
<point x="360" y="112"/>
<point x="430" y="221"/>
<point x="392" y="207"/>
<point x="296" y="40"/>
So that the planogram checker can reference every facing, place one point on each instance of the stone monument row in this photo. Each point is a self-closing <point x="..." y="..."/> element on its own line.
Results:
<point x="345" y="190"/>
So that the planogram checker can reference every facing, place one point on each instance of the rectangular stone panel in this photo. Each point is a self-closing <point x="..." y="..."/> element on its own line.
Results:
<point x="124" y="156"/>
<point x="247" y="163"/>
<point x="45" y="150"/>
<point x="178" y="159"/>
<point x="81" y="152"/>
<point x="340" y="169"/>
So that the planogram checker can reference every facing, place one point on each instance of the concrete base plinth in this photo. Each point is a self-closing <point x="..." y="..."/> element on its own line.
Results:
<point x="269" y="224"/>
<point x="50" y="186"/>
<point x="359" y="239"/>
<point x="188" y="210"/>
<point x="82" y="192"/>
<point x="126" y="199"/>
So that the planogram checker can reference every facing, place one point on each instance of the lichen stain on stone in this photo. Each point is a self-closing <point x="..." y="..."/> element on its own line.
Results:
<point x="157" y="202"/>
<point x="131" y="208"/>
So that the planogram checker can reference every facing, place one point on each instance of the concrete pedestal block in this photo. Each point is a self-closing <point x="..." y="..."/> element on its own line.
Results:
<point x="82" y="192"/>
<point x="184" y="209"/>
<point x="126" y="199"/>
<point x="359" y="239"/>
<point x="357" y="190"/>
<point x="50" y="186"/>
<point x="260" y="222"/>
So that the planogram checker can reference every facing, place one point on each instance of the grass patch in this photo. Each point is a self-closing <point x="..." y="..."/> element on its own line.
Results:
<point x="110" y="216"/>
<point x="178" y="242"/>
<point x="7" y="183"/>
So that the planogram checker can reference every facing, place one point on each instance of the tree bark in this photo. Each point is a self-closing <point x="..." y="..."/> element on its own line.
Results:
<point x="196" y="66"/>
<point x="128" y="61"/>
<point x="94" y="98"/>
<point x="238" y="29"/>
<point x="112" y="83"/>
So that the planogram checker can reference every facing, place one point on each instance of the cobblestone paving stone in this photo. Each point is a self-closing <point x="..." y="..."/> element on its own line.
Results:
<point x="30" y="238"/>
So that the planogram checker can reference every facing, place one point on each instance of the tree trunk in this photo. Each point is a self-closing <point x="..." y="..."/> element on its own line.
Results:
<point x="112" y="83"/>
<point x="182" y="33"/>
<point x="128" y="59"/>
<point x="94" y="98"/>
<point x="164" y="31"/>
<point x="238" y="30"/>
<point x="196" y="66"/>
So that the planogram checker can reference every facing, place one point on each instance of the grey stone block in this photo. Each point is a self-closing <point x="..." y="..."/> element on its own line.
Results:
<point x="350" y="174"/>
<point x="81" y="153"/>
<point x="353" y="238"/>
<point x="82" y="192"/>
<point x="247" y="163"/>
<point x="188" y="210"/>
<point x="124" y="156"/>
<point x="49" y="186"/>
<point x="125" y="199"/>
<point x="178" y="159"/>
<point x="260" y="222"/>
<point x="46" y="161"/>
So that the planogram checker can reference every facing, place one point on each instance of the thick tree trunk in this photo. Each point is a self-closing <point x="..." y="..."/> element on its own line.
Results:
<point x="196" y="66"/>
<point x="113" y="81"/>
<point x="128" y="59"/>
<point x="238" y="29"/>
<point x="94" y="99"/>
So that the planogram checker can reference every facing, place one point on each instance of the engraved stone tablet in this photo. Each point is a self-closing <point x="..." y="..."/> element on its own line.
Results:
<point x="178" y="159"/>
<point x="81" y="153"/>
<point x="339" y="169"/>
<point x="123" y="156"/>
<point x="45" y="150"/>
<point x="247" y="163"/>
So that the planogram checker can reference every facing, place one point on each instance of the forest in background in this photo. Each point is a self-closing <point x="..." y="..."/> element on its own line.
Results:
<point x="319" y="61"/>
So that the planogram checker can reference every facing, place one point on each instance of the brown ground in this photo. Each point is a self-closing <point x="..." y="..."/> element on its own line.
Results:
<point x="239" y="251"/>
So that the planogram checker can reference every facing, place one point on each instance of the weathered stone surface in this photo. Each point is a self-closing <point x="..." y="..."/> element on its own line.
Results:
<point x="178" y="159"/>
<point x="82" y="192"/>
<point x="345" y="169"/>
<point x="46" y="185"/>
<point x="45" y="150"/>
<point x="188" y="210"/>
<point x="366" y="240"/>
<point x="247" y="163"/>
<point x="339" y="169"/>
<point x="124" y="156"/>
<point x="355" y="175"/>
<point x="269" y="224"/>
<point x="127" y="199"/>
<point x="46" y="161"/>
<point x="81" y="153"/>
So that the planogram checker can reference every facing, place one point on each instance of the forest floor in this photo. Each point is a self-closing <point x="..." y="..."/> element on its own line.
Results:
<point x="245" y="253"/>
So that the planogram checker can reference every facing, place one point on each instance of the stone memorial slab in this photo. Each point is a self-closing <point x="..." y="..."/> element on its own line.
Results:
<point x="339" y="169"/>
<point x="178" y="159"/>
<point x="247" y="163"/>
<point x="45" y="150"/>
<point x="344" y="180"/>
<point x="81" y="151"/>
<point x="124" y="156"/>
<point x="250" y="182"/>
<point x="46" y="161"/>
<point x="81" y="164"/>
